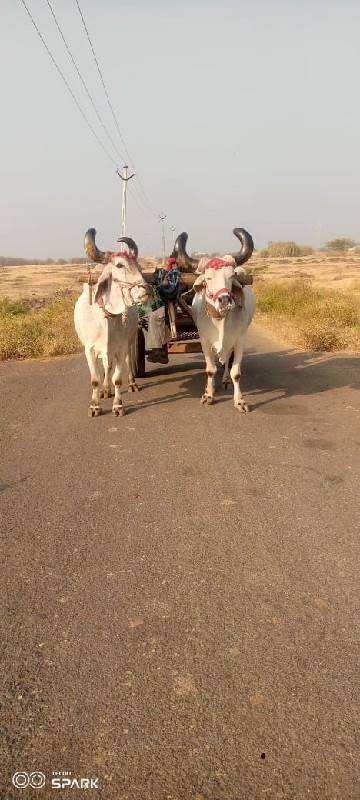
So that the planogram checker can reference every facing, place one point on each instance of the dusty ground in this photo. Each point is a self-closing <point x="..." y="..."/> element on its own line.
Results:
<point x="336" y="272"/>
<point x="328" y="271"/>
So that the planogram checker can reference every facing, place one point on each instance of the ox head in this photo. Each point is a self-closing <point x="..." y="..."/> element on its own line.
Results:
<point x="121" y="283"/>
<point x="220" y="279"/>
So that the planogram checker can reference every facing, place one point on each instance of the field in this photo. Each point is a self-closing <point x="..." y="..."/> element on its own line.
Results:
<point x="311" y="302"/>
<point x="45" y="282"/>
<point x="321" y="269"/>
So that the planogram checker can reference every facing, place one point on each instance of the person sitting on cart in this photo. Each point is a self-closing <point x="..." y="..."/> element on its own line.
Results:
<point x="158" y="334"/>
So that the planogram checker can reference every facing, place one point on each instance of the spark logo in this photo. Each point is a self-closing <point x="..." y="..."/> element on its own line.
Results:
<point x="65" y="781"/>
<point x="21" y="780"/>
<point x="59" y="780"/>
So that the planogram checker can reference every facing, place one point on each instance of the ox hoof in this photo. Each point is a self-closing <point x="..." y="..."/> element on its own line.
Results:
<point x="94" y="411"/>
<point x="133" y="387"/>
<point x="106" y="393"/>
<point x="118" y="411"/>
<point x="242" y="407"/>
<point x="207" y="400"/>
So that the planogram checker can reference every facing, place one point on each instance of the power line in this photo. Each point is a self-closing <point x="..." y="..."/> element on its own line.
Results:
<point x="83" y="82"/>
<point x="88" y="123"/>
<point x="67" y="85"/>
<point x="135" y="199"/>
<point x="110" y="104"/>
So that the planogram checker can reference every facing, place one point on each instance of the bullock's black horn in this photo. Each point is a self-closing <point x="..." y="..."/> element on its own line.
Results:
<point x="179" y="252"/>
<point x="92" y="251"/>
<point x="131" y="244"/>
<point x="247" y="246"/>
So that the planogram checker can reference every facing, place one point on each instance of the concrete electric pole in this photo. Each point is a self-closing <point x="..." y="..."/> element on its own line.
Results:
<point x="125" y="178"/>
<point x="162" y="216"/>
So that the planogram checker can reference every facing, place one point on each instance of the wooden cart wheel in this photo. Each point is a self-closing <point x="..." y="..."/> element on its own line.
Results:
<point x="138" y="354"/>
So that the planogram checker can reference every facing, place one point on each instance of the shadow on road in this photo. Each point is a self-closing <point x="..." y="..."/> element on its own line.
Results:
<point x="266" y="376"/>
<point x="290" y="373"/>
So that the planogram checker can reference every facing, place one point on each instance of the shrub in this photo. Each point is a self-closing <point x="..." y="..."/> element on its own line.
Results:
<point x="340" y="244"/>
<point x="12" y="308"/>
<point x="280" y="249"/>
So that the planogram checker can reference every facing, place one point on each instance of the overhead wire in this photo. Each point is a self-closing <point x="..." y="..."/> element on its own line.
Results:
<point x="67" y="84"/>
<point x="83" y="82"/>
<point x="111" y="107"/>
<point x="142" y="208"/>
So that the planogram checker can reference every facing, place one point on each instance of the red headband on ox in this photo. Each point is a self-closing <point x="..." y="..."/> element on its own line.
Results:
<point x="218" y="263"/>
<point x="126" y="254"/>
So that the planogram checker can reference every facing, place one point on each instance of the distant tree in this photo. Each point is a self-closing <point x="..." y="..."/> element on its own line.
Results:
<point x="340" y="244"/>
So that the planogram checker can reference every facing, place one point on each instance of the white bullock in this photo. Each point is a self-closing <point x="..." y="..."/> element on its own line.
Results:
<point x="222" y="309"/>
<point x="106" y="319"/>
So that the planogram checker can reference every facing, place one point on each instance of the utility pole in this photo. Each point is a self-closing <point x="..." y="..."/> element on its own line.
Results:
<point x="162" y="216"/>
<point x="318" y="234"/>
<point x="125" y="178"/>
<point x="173" y="231"/>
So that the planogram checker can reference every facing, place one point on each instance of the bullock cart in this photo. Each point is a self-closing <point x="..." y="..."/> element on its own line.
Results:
<point x="184" y="334"/>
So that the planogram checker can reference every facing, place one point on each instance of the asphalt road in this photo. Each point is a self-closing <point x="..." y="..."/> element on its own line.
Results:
<point x="180" y="586"/>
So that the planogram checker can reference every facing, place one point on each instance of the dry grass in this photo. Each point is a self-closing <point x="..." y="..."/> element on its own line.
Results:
<point x="308" y="317"/>
<point x="311" y="302"/>
<point x="26" y="332"/>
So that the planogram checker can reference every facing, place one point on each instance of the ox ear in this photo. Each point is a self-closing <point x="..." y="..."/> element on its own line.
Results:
<point x="242" y="277"/>
<point x="199" y="284"/>
<point x="102" y="288"/>
<point x="104" y="283"/>
<point x="237" y="291"/>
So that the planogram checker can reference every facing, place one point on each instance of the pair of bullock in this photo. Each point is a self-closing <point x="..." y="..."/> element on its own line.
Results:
<point x="106" y="314"/>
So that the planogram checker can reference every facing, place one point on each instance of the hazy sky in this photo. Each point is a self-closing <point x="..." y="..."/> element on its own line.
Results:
<point x="235" y="112"/>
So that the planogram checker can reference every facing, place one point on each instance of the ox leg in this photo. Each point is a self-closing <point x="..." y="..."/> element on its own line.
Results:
<point x="132" y="385"/>
<point x="106" y="389"/>
<point x="118" y="408"/>
<point x="95" y="407"/>
<point x="235" y="373"/>
<point x="226" y="378"/>
<point x="208" y="396"/>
